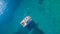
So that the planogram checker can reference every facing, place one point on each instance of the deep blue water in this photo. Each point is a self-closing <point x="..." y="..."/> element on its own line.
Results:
<point x="45" y="15"/>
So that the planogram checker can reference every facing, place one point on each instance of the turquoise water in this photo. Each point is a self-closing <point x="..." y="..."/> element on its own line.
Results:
<point x="45" y="14"/>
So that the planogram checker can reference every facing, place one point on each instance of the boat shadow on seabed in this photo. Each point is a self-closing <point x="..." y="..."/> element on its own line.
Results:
<point x="29" y="27"/>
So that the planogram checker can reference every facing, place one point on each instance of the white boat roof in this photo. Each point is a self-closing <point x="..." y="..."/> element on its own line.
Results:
<point x="25" y="20"/>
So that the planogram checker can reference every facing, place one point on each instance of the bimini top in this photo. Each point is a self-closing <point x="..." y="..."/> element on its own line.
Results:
<point x="25" y="21"/>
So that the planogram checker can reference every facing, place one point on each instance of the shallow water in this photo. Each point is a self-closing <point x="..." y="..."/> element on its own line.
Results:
<point x="45" y="14"/>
